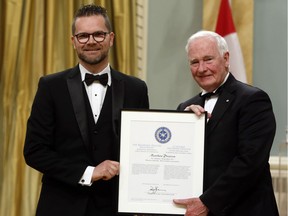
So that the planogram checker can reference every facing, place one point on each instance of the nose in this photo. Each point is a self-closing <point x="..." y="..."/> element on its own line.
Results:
<point x="202" y="66"/>
<point x="91" y="39"/>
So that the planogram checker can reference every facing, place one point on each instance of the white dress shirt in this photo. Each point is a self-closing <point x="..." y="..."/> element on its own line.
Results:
<point x="96" y="91"/>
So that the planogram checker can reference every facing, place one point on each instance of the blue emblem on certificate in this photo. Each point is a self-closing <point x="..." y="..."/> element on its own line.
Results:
<point x="163" y="135"/>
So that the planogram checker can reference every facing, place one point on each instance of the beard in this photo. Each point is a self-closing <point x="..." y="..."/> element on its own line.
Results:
<point x="93" y="60"/>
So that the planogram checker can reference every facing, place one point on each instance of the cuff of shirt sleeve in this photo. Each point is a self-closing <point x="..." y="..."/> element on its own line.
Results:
<point x="86" y="179"/>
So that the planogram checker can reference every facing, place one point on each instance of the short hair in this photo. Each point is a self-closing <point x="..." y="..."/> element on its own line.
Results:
<point x="91" y="10"/>
<point x="221" y="43"/>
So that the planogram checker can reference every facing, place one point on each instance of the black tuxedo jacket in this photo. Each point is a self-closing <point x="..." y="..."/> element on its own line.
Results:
<point x="239" y="136"/>
<point x="57" y="138"/>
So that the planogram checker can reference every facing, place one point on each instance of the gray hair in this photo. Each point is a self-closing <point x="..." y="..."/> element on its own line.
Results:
<point x="221" y="43"/>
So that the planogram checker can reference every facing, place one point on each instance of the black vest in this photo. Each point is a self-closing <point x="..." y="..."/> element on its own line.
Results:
<point x="102" y="147"/>
<point x="101" y="134"/>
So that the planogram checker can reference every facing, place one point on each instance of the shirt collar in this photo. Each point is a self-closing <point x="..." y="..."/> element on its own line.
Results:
<point x="107" y="70"/>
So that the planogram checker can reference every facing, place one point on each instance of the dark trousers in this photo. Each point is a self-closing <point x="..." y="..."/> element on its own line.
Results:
<point x="92" y="210"/>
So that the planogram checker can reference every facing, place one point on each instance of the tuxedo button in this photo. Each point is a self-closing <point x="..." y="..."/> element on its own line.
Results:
<point x="95" y="132"/>
<point x="94" y="147"/>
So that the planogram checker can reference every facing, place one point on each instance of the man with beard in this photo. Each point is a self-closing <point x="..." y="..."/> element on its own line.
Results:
<point x="73" y="130"/>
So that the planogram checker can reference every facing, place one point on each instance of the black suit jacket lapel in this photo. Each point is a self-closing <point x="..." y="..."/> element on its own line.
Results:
<point x="75" y="87"/>
<point x="117" y="99"/>
<point x="222" y="104"/>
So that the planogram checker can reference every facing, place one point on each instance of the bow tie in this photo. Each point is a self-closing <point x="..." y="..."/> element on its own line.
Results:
<point x="90" y="78"/>
<point x="210" y="94"/>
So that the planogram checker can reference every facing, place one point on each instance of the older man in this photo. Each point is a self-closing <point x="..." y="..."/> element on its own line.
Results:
<point x="239" y="135"/>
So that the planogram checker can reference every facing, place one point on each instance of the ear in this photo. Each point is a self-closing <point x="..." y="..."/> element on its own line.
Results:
<point x="73" y="41"/>
<point x="112" y="36"/>
<point x="226" y="57"/>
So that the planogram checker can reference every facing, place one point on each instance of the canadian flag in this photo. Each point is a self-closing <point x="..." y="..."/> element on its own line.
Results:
<point x="225" y="27"/>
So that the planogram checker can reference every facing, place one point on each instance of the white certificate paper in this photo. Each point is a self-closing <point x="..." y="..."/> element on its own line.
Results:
<point x="161" y="159"/>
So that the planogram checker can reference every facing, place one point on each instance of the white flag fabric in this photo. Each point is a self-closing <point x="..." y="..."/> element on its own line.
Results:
<point x="225" y="27"/>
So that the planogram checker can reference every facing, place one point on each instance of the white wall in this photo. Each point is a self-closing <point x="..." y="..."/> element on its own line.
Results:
<point x="170" y="23"/>
<point x="270" y="60"/>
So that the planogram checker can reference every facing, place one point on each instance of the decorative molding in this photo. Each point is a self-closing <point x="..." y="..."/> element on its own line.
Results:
<point x="142" y="32"/>
<point x="278" y="163"/>
<point x="279" y="172"/>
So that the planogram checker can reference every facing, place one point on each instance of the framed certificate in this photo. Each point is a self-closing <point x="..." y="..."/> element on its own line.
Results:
<point x="161" y="159"/>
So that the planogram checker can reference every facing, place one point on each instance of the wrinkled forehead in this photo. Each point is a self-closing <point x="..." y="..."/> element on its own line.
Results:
<point x="203" y="46"/>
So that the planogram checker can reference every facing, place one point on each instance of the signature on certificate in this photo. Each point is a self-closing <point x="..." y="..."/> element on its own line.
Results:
<point x="155" y="190"/>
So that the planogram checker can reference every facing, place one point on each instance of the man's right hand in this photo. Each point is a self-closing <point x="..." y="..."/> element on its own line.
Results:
<point x="106" y="170"/>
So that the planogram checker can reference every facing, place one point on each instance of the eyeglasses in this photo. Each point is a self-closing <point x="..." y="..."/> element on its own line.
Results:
<point x="99" y="36"/>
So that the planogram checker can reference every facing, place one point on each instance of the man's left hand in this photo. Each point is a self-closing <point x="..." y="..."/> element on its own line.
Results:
<point x="194" y="206"/>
